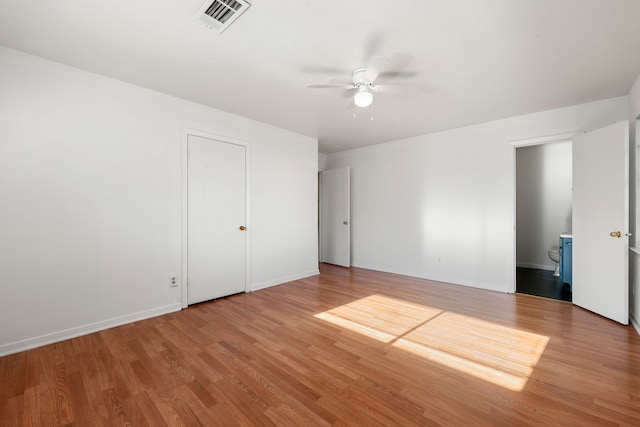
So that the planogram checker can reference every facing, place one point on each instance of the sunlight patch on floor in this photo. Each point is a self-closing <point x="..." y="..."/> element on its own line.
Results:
<point x="381" y="318"/>
<point x="502" y="355"/>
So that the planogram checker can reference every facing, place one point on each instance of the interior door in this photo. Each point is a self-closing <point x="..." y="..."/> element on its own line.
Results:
<point x="335" y="220"/>
<point x="216" y="219"/>
<point x="601" y="221"/>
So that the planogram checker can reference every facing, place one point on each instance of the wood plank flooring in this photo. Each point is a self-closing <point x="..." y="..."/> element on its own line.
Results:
<point x="349" y="347"/>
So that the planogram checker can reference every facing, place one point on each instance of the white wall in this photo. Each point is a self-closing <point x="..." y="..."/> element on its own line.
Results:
<point x="543" y="201"/>
<point x="441" y="206"/>
<point x="91" y="198"/>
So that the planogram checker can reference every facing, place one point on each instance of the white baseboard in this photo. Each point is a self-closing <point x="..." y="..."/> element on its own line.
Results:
<point x="435" y="278"/>
<point x="29" y="343"/>
<point x="536" y="266"/>
<point x="281" y="280"/>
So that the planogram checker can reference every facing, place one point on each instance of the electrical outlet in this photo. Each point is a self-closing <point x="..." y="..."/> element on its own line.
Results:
<point x="438" y="258"/>
<point x="173" y="281"/>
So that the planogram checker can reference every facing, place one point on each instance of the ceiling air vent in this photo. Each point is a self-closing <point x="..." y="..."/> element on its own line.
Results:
<point x="219" y="14"/>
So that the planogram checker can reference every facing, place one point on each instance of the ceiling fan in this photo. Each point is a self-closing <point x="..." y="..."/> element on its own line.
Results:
<point x="364" y="80"/>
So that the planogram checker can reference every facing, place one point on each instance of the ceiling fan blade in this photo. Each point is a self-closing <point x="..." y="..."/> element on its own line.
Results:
<point x="395" y="69"/>
<point x="395" y="89"/>
<point x="345" y="82"/>
<point x="376" y="66"/>
<point x="397" y="74"/>
<point x="399" y="60"/>
<point x="331" y="86"/>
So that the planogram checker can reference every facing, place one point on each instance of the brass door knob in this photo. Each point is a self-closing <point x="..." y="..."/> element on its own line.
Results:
<point x="615" y="234"/>
<point x="242" y="228"/>
<point x="345" y="222"/>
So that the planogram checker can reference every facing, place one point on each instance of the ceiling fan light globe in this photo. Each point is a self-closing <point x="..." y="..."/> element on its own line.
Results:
<point x="363" y="99"/>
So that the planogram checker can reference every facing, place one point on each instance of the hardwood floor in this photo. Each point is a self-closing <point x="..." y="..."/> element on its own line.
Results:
<point x="350" y="347"/>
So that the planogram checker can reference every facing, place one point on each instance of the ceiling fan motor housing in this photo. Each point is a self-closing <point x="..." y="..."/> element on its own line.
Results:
<point x="358" y="77"/>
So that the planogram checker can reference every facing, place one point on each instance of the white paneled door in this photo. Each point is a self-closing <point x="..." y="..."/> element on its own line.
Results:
<point x="216" y="207"/>
<point x="601" y="221"/>
<point x="335" y="220"/>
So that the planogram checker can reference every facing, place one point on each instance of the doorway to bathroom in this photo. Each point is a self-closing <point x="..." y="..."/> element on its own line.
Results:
<point x="543" y="215"/>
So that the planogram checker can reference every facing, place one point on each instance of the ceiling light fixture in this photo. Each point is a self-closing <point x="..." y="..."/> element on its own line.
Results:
<point x="363" y="98"/>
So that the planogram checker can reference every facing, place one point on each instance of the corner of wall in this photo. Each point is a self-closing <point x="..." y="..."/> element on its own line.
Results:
<point x="29" y="343"/>
<point x="283" y="280"/>
<point x="635" y="324"/>
<point x="322" y="161"/>
<point x="634" y="253"/>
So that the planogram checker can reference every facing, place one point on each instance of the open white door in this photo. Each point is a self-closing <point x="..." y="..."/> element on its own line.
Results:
<point x="335" y="221"/>
<point x="601" y="221"/>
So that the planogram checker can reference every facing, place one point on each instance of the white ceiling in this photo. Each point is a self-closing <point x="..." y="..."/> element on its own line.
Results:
<point x="474" y="60"/>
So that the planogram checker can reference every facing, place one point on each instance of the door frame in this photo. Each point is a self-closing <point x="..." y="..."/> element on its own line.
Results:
<point x="185" y="207"/>
<point x="515" y="144"/>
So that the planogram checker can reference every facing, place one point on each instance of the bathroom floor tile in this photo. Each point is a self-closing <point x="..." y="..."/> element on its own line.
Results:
<point x="541" y="283"/>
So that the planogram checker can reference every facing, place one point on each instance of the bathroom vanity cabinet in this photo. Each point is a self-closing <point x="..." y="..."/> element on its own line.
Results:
<point x="566" y="245"/>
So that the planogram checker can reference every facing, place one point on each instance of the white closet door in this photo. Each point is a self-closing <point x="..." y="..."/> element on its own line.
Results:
<point x="216" y="219"/>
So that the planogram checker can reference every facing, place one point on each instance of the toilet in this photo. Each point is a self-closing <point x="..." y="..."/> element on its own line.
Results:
<point x="554" y="255"/>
